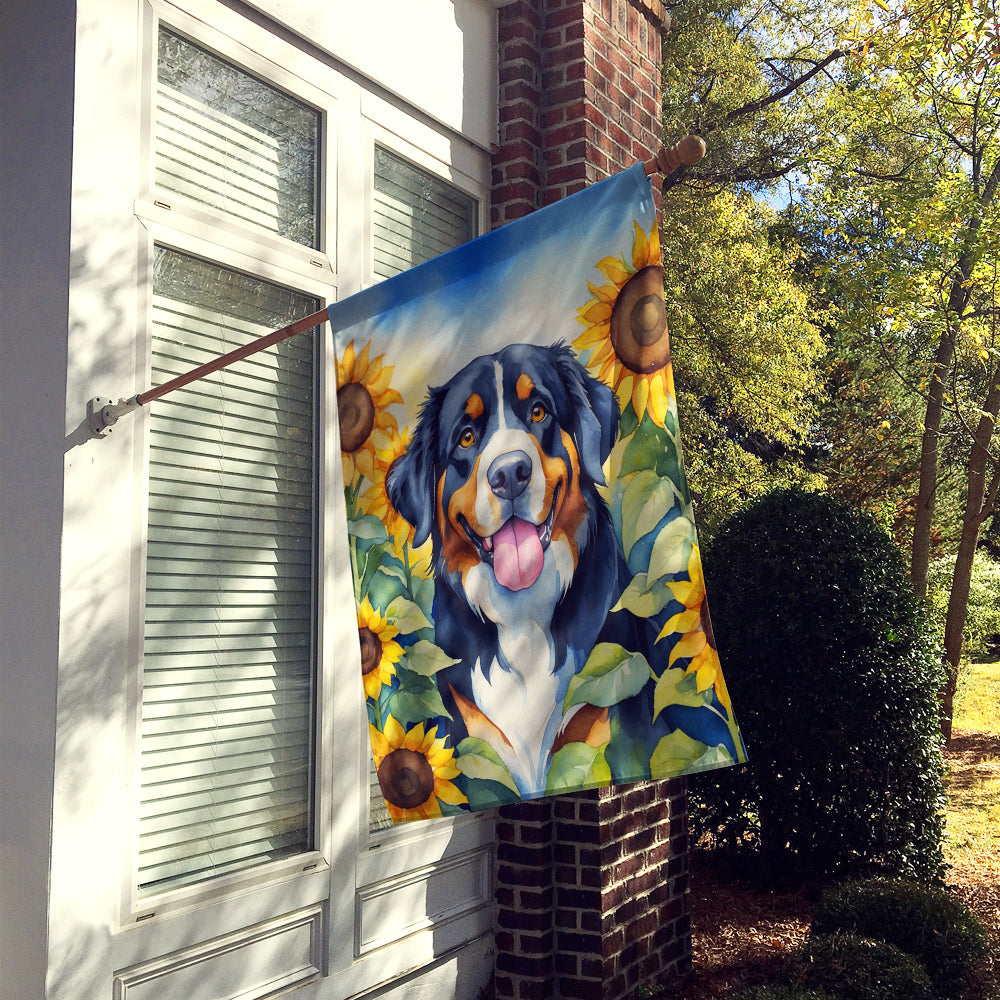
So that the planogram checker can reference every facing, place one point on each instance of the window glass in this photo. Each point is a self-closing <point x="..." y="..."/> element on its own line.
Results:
<point x="235" y="143"/>
<point x="416" y="215"/>
<point x="228" y="680"/>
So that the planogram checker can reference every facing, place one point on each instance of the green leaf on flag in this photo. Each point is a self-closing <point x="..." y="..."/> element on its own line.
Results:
<point x="367" y="526"/>
<point x="647" y="501"/>
<point x="675" y="687"/>
<point x="415" y="700"/>
<point x="672" y="549"/>
<point x="644" y="600"/>
<point x="653" y="448"/>
<point x="406" y="616"/>
<point x="382" y="589"/>
<point x="575" y="766"/>
<point x="675" y="754"/>
<point x="426" y="659"/>
<point x="610" y="675"/>
<point x="477" y="759"/>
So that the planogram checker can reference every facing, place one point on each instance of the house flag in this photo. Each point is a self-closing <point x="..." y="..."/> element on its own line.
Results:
<point x="530" y="603"/>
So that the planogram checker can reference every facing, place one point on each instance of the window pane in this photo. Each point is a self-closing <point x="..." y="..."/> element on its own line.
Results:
<point x="417" y="215"/>
<point x="228" y="660"/>
<point x="228" y="140"/>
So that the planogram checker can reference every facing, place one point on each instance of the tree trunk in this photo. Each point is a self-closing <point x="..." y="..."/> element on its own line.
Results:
<point x="920" y="553"/>
<point x="979" y="500"/>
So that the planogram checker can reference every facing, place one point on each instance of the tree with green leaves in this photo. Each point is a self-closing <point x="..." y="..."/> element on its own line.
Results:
<point x="912" y="191"/>
<point x="749" y="355"/>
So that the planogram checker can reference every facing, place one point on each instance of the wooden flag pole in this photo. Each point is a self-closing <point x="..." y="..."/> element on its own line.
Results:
<point x="103" y="413"/>
<point x="687" y="152"/>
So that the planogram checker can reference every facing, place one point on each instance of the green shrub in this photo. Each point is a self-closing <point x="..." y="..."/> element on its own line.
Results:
<point x="833" y="674"/>
<point x="782" y="993"/>
<point x="856" y="968"/>
<point x="925" y="922"/>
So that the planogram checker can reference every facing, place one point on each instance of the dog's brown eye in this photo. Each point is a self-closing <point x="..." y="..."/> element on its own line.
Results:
<point x="538" y="412"/>
<point x="468" y="438"/>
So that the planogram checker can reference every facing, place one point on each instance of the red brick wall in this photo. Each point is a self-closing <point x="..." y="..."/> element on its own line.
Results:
<point x="591" y="889"/>
<point x="579" y="96"/>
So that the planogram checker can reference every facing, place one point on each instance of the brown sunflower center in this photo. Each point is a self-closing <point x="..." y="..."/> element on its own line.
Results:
<point x="639" y="323"/>
<point x="371" y="650"/>
<point x="407" y="778"/>
<point x="357" y="415"/>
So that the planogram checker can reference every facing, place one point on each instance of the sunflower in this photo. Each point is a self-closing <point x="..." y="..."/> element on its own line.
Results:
<point x="695" y="627"/>
<point x="626" y="331"/>
<point x="415" y="771"/>
<point x="379" y="650"/>
<point x="363" y="398"/>
<point x="388" y="446"/>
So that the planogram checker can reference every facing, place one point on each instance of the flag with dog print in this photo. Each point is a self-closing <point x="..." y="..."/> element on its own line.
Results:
<point x="530" y="604"/>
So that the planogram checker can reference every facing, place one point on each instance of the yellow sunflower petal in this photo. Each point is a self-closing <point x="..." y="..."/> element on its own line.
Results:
<point x="380" y="745"/>
<point x="429" y="810"/>
<point x="684" y="622"/>
<point x="592" y="335"/>
<point x="688" y="592"/>
<point x="447" y="792"/>
<point x="415" y="737"/>
<point x="348" y="363"/>
<point x="640" y="394"/>
<point x="392" y="652"/>
<point x="394" y="733"/>
<point x="604" y="293"/>
<point x="361" y="365"/>
<point x="364" y="462"/>
<point x="659" y="401"/>
<point x="640" y="248"/>
<point x="654" y="256"/>
<point x="365" y="612"/>
<point x="380" y="381"/>
<point x="597" y="312"/>
<point x="722" y="692"/>
<point x="614" y="270"/>
<point x="689" y="645"/>
<point x="705" y="674"/>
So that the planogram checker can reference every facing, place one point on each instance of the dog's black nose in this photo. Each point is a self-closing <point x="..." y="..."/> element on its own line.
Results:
<point x="509" y="474"/>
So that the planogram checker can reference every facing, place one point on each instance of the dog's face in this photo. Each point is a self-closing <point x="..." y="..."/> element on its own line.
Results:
<point x="502" y="466"/>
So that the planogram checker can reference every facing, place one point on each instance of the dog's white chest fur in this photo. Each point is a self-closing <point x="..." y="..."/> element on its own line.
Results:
<point x="523" y="694"/>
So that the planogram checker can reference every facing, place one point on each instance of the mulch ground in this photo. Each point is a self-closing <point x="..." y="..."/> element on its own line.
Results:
<point x="742" y="935"/>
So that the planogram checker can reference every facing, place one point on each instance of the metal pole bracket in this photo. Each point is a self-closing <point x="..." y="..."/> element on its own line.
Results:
<point x="103" y="413"/>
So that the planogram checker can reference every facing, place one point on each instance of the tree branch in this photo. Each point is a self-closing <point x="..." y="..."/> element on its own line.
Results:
<point x="754" y="106"/>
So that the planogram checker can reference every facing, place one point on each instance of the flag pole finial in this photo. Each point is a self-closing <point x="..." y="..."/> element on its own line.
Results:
<point x="668" y="158"/>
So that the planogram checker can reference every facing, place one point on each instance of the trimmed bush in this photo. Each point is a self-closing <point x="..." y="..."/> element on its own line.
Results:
<point x="856" y="968"/>
<point x="925" y="922"/>
<point x="782" y="993"/>
<point x="833" y="673"/>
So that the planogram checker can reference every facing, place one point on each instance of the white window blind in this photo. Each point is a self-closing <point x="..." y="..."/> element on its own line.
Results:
<point x="228" y="140"/>
<point x="416" y="215"/>
<point x="228" y="662"/>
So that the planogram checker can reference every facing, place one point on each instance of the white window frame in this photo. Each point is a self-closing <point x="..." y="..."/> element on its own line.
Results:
<point x="180" y="224"/>
<point x="345" y="880"/>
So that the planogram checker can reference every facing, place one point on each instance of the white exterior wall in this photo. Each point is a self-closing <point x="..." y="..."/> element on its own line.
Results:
<point x="411" y="911"/>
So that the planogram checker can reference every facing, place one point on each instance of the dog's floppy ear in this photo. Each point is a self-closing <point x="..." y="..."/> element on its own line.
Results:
<point x="410" y="480"/>
<point x="595" y="416"/>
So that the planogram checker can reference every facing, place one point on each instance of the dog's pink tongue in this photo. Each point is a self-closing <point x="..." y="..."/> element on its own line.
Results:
<point x="517" y="554"/>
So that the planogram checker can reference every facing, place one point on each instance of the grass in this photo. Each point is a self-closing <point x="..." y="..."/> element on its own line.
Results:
<point x="974" y="775"/>
<point x="978" y="699"/>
